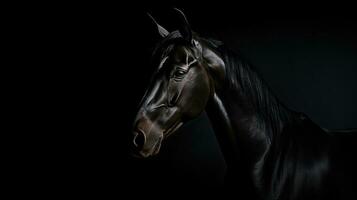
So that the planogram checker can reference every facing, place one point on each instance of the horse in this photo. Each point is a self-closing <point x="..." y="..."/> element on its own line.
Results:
<point x="271" y="151"/>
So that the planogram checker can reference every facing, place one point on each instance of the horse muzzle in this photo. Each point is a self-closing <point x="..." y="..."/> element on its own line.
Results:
<point x="146" y="140"/>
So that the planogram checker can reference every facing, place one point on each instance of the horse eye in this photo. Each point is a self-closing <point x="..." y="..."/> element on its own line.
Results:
<point x="179" y="73"/>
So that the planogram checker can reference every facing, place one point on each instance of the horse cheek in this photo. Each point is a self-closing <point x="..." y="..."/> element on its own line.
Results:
<point x="197" y="99"/>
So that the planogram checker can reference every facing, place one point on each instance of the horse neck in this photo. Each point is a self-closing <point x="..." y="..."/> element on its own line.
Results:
<point x="245" y="125"/>
<point x="222" y="126"/>
<point x="241" y="139"/>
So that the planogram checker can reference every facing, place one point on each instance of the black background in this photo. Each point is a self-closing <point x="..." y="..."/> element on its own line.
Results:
<point x="97" y="69"/>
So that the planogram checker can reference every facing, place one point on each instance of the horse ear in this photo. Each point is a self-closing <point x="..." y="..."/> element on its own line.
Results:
<point x="162" y="31"/>
<point x="185" y="29"/>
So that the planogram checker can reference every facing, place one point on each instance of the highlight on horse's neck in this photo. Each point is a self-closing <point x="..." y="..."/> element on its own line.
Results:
<point x="223" y="128"/>
<point x="247" y="105"/>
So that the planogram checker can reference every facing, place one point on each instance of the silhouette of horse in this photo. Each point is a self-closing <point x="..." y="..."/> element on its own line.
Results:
<point x="271" y="151"/>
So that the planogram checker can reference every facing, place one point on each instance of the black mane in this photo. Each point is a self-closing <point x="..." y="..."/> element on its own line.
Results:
<point x="290" y="158"/>
<point x="242" y="76"/>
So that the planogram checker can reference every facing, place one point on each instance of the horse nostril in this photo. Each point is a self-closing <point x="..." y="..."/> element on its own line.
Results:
<point x="139" y="139"/>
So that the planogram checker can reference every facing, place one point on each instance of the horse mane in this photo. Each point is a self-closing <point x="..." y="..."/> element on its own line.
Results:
<point x="293" y="156"/>
<point x="240" y="75"/>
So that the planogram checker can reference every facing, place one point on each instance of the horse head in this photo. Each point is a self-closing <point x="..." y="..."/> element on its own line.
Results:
<point x="185" y="78"/>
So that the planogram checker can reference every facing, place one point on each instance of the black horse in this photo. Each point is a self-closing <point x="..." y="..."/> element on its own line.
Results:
<point x="271" y="151"/>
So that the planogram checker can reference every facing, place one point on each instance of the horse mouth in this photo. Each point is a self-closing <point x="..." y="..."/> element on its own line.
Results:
<point x="155" y="149"/>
